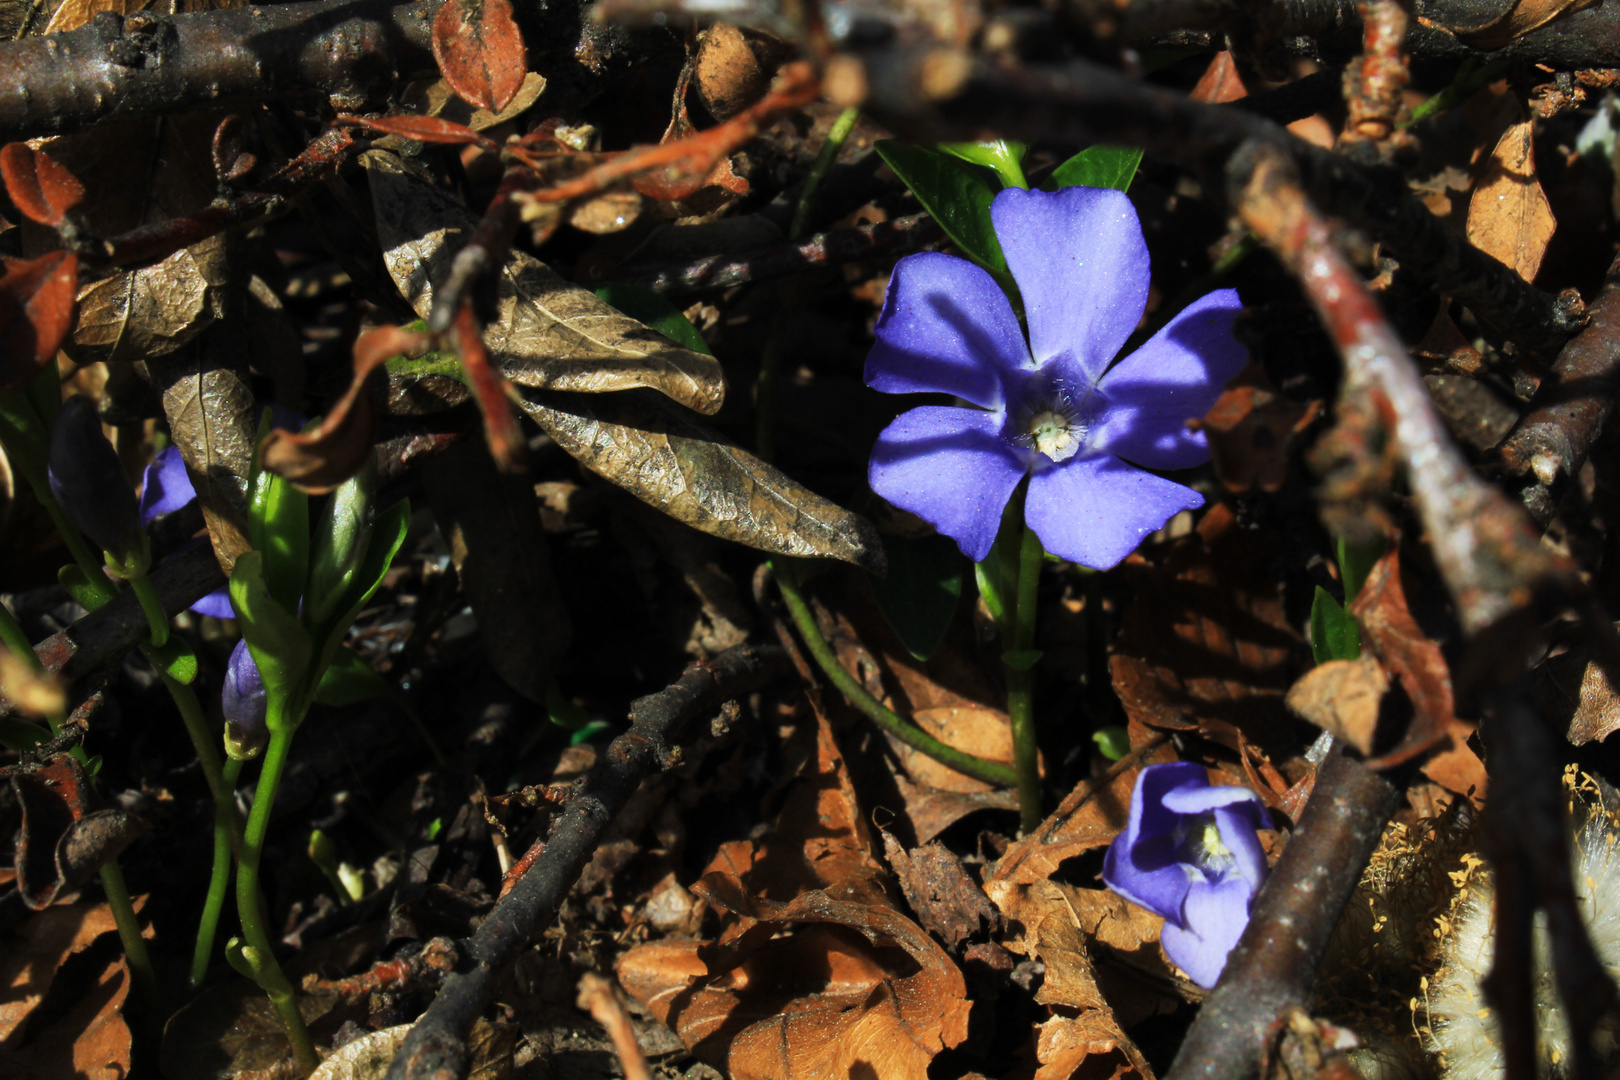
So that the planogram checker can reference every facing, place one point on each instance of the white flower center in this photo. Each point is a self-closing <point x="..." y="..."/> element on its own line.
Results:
<point x="1055" y="434"/>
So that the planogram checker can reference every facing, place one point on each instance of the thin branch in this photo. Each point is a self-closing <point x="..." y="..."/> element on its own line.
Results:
<point x="435" y="1047"/>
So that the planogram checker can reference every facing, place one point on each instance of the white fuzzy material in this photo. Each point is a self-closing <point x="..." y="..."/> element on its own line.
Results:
<point x="1463" y="1030"/>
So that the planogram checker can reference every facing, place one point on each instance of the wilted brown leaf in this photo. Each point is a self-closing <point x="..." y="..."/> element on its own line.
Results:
<point x="547" y="334"/>
<point x="426" y="129"/>
<point x="1509" y="216"/>
<point x="90" y="1041"/>
<point x="36" y="309"/>
<point x="64" y="837"/>
<point x="492" y="524"/>
<point x="656" y="452"/>
<point x="35" y="950"/>
<point x="365" y="1058"/>
<point x="1573" y="686"/>
<point x="40" y="187"/>
<point x="1521" y="17"/>
<point x="1342" y="698"/>
<point x="944" y="896"/>
<point x="1251" y="429"/>
<point x="1221" y="82"/>
<point x="136" y="314"/>
<point x="440" y="99"/>
<point x="73" y="14"/>
<point x="727" y="72"/>
<point x="984" y="733"/>
<point x="480" y="51"/>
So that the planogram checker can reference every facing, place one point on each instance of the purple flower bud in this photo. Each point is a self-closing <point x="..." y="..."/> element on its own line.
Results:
<point x="88" y="480"/>
<point x="1051" y="406"/>
<point x="244" y="703"/>
<point x="1190" y="853"/>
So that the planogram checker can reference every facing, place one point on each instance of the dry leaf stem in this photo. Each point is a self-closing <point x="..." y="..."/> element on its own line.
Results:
<point x="436" y="1045"/>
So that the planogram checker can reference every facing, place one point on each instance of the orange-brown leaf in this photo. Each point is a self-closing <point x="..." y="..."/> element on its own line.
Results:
<point x="425" y="129"/>
<point x="36" y="312"/>
<point x="1509" y="216"/>
<point x="480" y="51"/>
<point x="41" y="188"/>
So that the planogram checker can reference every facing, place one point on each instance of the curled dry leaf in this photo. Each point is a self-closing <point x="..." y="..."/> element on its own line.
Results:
<point x="1342" y="697"/>
<point x="426" y="129"/>
<point x="36" y="309"/>
<point x="480" y="51"/>
<point x="1252" y="428"/>
<point x="1509" y="216"/>
<point x="63" y="838"/>
<point x="41" y="188"/>
<point x="547" y="333"/>
<point x="728" y="72"/>
<point x="1388" y="628"/>
<point x="35" y="951"/>
<point x="137" y="314"/>
<point x="439" y="99"/>
<point x="660" y="455"/>
<point x="320" y="459"/>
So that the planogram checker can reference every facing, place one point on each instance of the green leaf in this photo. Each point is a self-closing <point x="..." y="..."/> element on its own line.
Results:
<point x="341" y="538"/>
<point x="1097" y="166"/>
<point x="562" y="712"/>
<point x="176" y="659"/>
<point x="920" y="595"/>
<point x="1356" y="561"/>
<point x="1334" y="633"/>
<point x="278" y="527"/>
<point x="1004" y="156"/>
<point x="1021" y="659"/>
<point x="387" y="534"/>
<point x="85" y="592"/>
<point x="1113" y="742"/>
<point x="281" y="647"/>
<point x="348" y="679"/>
<point x="650" y="309"/>
<point x="958" y="197"/>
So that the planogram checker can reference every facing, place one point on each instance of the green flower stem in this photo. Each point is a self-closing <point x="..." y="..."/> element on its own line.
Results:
<point x="157" y="620"/>
<point x="129" y="930"/>
<point x="1021" y="683"/>
<point x="94" y="568"/>
<point x="224" y="840"/>
<point x="989" y="771"/>
<point x="837" y="135"/>
<point x="191" y="713"/>
<point x="12" y="636"/>
<point x="249" y="908"/>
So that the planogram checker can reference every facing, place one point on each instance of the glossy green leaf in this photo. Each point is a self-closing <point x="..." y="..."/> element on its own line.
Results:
<point x="281" y="647"/>
<point x="1356" y="561"/>
<point x="1005" y="157"/>
<point x="1334" y="633"/>
<point x="278" y="527"/>
<point x="1113" y="742"/>
<point x="387" y="534"/>
<point x="1097" y="166"/>
<point x="341" y="537"/>
<point x="86" y="594"/>
<point x="348" y="680"/>
<point x="176" y="659"/>
<point x="652" y="310"/>
<point x="920" y="595"/>
<point x="958" y="197"/>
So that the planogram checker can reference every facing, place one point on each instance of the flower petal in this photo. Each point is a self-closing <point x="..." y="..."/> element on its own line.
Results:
<point x="1190" y="799"/>
<point x="1212" y="920"/>
<point x="216" y="604"/>
<point x="166" y="486"/>
<point x="1094" y="509"/>
<point x="946" y="327"/>
<point x="1142" y="864"/>
<point x="1238" y="824"/>
<point x="1175" y="377"/>
<point x="951" y="468"/>
<point x="1082" y="266"/>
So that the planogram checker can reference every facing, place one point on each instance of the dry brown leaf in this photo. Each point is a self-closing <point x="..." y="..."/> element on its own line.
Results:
<point x="156" y="309"/>
<point x="440" y="100"/>
<point x="36" y="949"/>
<point x="73" y="14"/>
<point x="90" y="1041"/>
<point x="1519" y="19"/>
<point x="1251" y="429"/>
<point x="1342" y="698"/>
<point x="1575" y="686"/>
<point x="942" y="894"/>
<point x="728" y="74"/>
<point x="984" y="733"/>
<point x="1509" y="216"/>
<point x="1220" y="81"/>
<point x="232" y="1033"/>
<point x="547" y="334"/>
<point x="366" y="1058"/>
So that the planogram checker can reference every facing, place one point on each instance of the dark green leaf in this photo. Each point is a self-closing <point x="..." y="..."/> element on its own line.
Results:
<point x="957" y="196"/>
<point x="650" y="309"/>
<point x="1356" y="562"/>
<point x="921" y="592"/>
<point x="387" y="535"/>
<point x="1021" y="659"/>
<point x="280" y="646"/>
<point x="1097" y="166"/>
<point x="175" y="659"/>
<point x="341" y="537"/>
<point x="278" y="527"/>
<point x="348" y="679"/>
<point x="1334" y="633"/>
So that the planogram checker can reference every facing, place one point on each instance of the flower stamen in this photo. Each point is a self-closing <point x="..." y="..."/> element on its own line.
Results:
<point x="1055" y="434"/>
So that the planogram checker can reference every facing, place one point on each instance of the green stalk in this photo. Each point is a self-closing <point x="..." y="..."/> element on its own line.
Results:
<point x="837" y="135"/>
<point x="1020" y="660"/>
<point x="989" y="771"/>
<point x="129" y="929"/>
<point x="219" y="882"/>
<point x="157" y="620"/>
<point x="249" y="907"/>
<point x="12" y="636"/>
<point x="191" y="714"/>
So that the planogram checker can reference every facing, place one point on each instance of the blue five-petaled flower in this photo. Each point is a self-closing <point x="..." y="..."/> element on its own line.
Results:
<point x="1190" y="853"/>
<point x="1049" y="406"/>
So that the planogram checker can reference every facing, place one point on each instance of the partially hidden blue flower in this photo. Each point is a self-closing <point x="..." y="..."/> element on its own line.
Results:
<point x="1049" y="406"/>
<point x="1190" y="853"/>
<point x="165" y="488"/>
<point x="245" y="705"/>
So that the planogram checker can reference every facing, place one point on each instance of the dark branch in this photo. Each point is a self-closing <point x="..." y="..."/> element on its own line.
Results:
<point x="435" y="1047"/>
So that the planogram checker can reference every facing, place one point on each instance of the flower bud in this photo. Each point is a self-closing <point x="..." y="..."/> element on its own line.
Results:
<point x="244" y="703"/>
<point x="89" y="482"/>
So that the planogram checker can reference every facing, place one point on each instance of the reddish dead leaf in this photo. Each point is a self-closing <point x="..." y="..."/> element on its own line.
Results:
<point x="41" y="188"/>
<point x="1251" y="429"/>
<point x="320" y="459"/>
<point x="1388" y="628"/>
<point x="1509" y="216"/>
<point x="1206" y="646"/>
<point x="480" y="51"/>
<point x="1220" y="82"/>
<point x="36" y="312"/>
<point x="425" y="129"/>
<point x="490" y="388"/>
<point x="946" y="899"/>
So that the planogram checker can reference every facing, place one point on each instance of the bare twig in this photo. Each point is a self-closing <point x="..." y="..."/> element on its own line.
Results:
<point x="1375" y="81"/>
<point x="1274" y="964"/>
<point x="435" y="1047"/>
<point x="1547" y="448"/>
<point x="596" y="996"/>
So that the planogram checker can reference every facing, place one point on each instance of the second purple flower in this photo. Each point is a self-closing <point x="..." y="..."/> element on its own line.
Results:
<point x="1049" y="407"/>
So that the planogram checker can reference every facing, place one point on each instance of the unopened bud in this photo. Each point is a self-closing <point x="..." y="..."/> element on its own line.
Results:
<point x="244" y="703"/>
<point x="89" y="482"/>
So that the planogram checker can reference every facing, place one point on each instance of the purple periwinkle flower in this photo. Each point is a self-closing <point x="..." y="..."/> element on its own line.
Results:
<point x="165" y="488"/>
<point x="243" y="702"/>
<point x="1049" y="406"/>
<point x="88" y="480"/>
<point x="1190" y="853"/>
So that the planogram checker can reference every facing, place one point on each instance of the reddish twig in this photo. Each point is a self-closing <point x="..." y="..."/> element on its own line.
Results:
<point x="1374" y="83"/>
